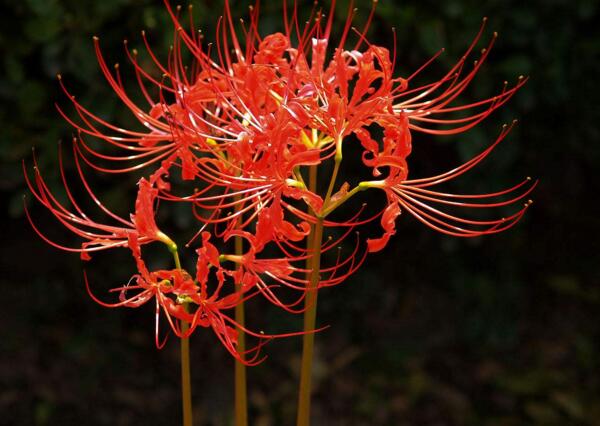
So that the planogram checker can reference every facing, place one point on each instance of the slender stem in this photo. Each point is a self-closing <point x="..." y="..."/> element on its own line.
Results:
<point x="336" y="169"/>
<point x="186" y="384"/>
<point x="310" y="316"/>
<point x="310" y="313"/>
<point x="241" y="399"/>
<point x="332" y="206"/>
<point x="176" y="257"/>
<point x="312" y="179"/>
<point x="186" y="381"/>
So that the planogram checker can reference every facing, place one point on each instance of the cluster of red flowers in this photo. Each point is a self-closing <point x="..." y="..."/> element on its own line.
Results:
<point x="247" y="122"/>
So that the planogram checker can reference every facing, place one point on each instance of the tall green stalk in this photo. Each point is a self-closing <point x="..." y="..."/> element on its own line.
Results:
<point x="310" y="314"/>
<point x="186" y="385"/>
<point x="186" y="381"/>
<point x="241" y="391"/>
<point x="241" y="398"/>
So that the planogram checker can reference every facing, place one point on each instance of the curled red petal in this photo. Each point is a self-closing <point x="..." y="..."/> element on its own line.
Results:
<point x="388" y="223"/>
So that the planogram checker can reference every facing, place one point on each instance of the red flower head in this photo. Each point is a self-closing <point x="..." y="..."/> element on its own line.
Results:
<point x="311" y="98"/>
<point x="141" y="229"/>
<point x="253" y="123"/>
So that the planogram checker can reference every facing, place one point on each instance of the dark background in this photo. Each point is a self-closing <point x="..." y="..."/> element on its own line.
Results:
<point x="432" y="331"/>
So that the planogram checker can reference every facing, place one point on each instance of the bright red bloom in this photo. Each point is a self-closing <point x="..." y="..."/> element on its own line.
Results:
<point x="415" y="196"/>
<point x="301" y="101"/>
<point x="172" y="291"/>
<point x="141" y="229"/>
<point x="249" y="121"/>
<point x="282" y="107"/>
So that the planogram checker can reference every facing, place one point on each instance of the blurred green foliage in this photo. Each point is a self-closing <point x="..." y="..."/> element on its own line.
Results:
<point x="434" y="331"/>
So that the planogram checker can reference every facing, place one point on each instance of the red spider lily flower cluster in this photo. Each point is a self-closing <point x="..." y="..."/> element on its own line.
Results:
<point x="246" y="122"/>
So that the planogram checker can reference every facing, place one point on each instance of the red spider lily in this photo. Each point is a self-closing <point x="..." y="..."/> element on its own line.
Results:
<point x="288" y="271"/>
<point x="250" y="122"/>
<point x="141" y="228"/>
<point x="275" y="105"/>
<point x="244" y="122"/>
<point x="308" y="97"/>
<point x="415" y="197"/>
<point x="180" y="298"/>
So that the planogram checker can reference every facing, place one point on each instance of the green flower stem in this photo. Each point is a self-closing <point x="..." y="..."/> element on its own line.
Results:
<point x="241" y="398"/>
<point x="312" y="179"/>
<point x="313" y="265"/>
<point x="186" y="381"/>
<point x="327" y="210"/>
<point x="173" y="250"/>
<point x="310" y="316"/>
<point x="336" y="167"/>
<point x="310" y="313"/>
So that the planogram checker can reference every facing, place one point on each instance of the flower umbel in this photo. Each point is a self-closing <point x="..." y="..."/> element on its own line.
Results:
<point x="246" y="121"/>
<point x="253" y="124"/>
